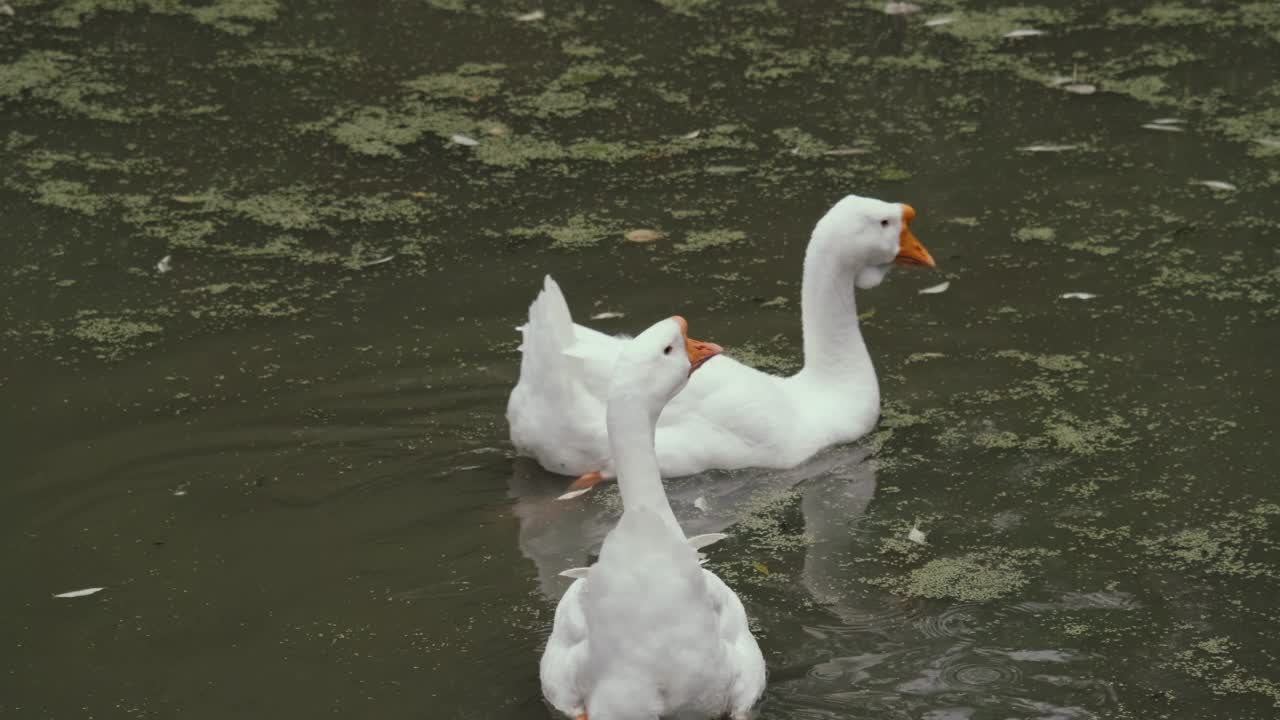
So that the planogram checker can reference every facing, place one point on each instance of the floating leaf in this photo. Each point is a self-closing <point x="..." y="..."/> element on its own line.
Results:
<point x="760" y="567"/>
<point x="1168" y="121"/>
<point x="1165" y="128"/>
<point x="573" y="494"/>
<point x="79" y="593"/>
<point x="607" y="316"/>
<point x="1080" y="88"/>
<point x="691" y="135"/>
<point x="1047" y="148"/>
<point x="464" y="140"/>
<point x="936" y="289"/>
<point x="901" y="8"/>
<point x="186" y="199"/>
<point x="701" y="504"/>
<point x="164" y="265"/>
<point x="642" y="235"/>
<point x="532" y="16"/>
<point x="940" y="21"/>
<point x="1217" y="185"/>
<point x="379" y="261"/>
<point x="1024" y="32"/>
<point x="915" y="535"/>
<point x="697" y="542"/>
<point x="1078" y="295"/>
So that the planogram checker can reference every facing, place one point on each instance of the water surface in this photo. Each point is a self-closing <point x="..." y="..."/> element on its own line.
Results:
<point x="286" y="460"/>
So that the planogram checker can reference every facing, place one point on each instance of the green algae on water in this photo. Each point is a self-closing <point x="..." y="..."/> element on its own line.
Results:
<point x="1213" y="661"/>
<point x="577" y="232"/>
<point x="1231" y="546"/>
<point x="1084" y="437"/>
<point x="774" y="356"/>
<point x="469" y="82"/>
<point x="113" y="337"/>
<point x="64" y="80"/>
<point x="235" y="17"/>
<point x="968" y="578"/>
<point x="69" y="195"/>
<point x="1039" y="234"/>
<point x="700" y="240"/>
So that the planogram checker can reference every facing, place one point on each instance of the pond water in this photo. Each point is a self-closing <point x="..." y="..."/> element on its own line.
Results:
<point x="282" y="451"/>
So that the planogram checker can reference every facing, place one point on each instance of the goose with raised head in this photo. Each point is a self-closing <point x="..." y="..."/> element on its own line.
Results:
<point x="731" y="415"/>
<point x="646" y="632"/>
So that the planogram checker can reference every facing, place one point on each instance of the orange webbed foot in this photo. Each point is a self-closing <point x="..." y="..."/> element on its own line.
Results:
<point x="583" y="484"/>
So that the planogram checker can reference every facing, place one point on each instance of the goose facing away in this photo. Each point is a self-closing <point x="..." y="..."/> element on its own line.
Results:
<point x="646" y="632"/>
<point x="730" y="415"/>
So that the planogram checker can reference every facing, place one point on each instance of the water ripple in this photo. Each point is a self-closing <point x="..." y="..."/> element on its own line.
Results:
<point x="954" y="621"/>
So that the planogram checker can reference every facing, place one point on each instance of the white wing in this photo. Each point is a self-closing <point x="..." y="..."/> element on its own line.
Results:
<point x="564" y="660"/>
<point x="742" y="654"/>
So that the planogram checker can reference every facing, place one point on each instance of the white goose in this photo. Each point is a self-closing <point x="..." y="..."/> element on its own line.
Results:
<point x="646" y="632"/>
<point x="731" y="415"/>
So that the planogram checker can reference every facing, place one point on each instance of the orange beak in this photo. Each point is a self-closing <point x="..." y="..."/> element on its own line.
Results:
<point x="910" y="251"/>
<point x="699" y="352"/>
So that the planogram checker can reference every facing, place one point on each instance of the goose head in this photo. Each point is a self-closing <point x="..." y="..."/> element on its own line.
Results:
<point x="656" y="364"/>
<point x="868" y="237"/>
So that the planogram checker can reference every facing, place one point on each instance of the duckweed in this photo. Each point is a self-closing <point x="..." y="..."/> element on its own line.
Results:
<point x="700" y="240"/>
<point x="968" y="578"/>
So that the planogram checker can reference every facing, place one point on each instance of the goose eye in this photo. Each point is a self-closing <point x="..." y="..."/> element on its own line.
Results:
<point x="884" y="223"/>
<point x="666" y="350"/>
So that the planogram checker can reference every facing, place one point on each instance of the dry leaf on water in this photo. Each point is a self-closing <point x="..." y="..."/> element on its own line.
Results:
<point x="1047" y="148"/>
<point x="79" y="593"/>
<point x="1080" y="88"/>
<point x="1217" y="185"/>
<point x="643" y="235"/>
<point x="915" y="535"/>
<point x="902" y="8"/>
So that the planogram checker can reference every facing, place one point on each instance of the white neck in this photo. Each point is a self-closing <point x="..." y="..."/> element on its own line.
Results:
<point x="631" y="441"/>
<point x="834" y="351"/>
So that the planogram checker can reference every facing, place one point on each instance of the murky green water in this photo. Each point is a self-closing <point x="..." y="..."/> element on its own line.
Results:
<point x="286" y="460"/>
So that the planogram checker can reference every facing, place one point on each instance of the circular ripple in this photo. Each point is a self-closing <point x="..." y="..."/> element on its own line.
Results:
<point x="978" y="676"/>
<point x="876" y="618"/>
<point x="953" y="621"/>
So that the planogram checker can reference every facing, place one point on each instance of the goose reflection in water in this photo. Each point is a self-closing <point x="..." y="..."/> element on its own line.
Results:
<point x="864" y="652"/>
<point x="835" y="489"/>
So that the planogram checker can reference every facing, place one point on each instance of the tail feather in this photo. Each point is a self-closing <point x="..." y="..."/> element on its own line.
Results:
<point x="547" y="335"/>
<point x="552" y="415"/>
